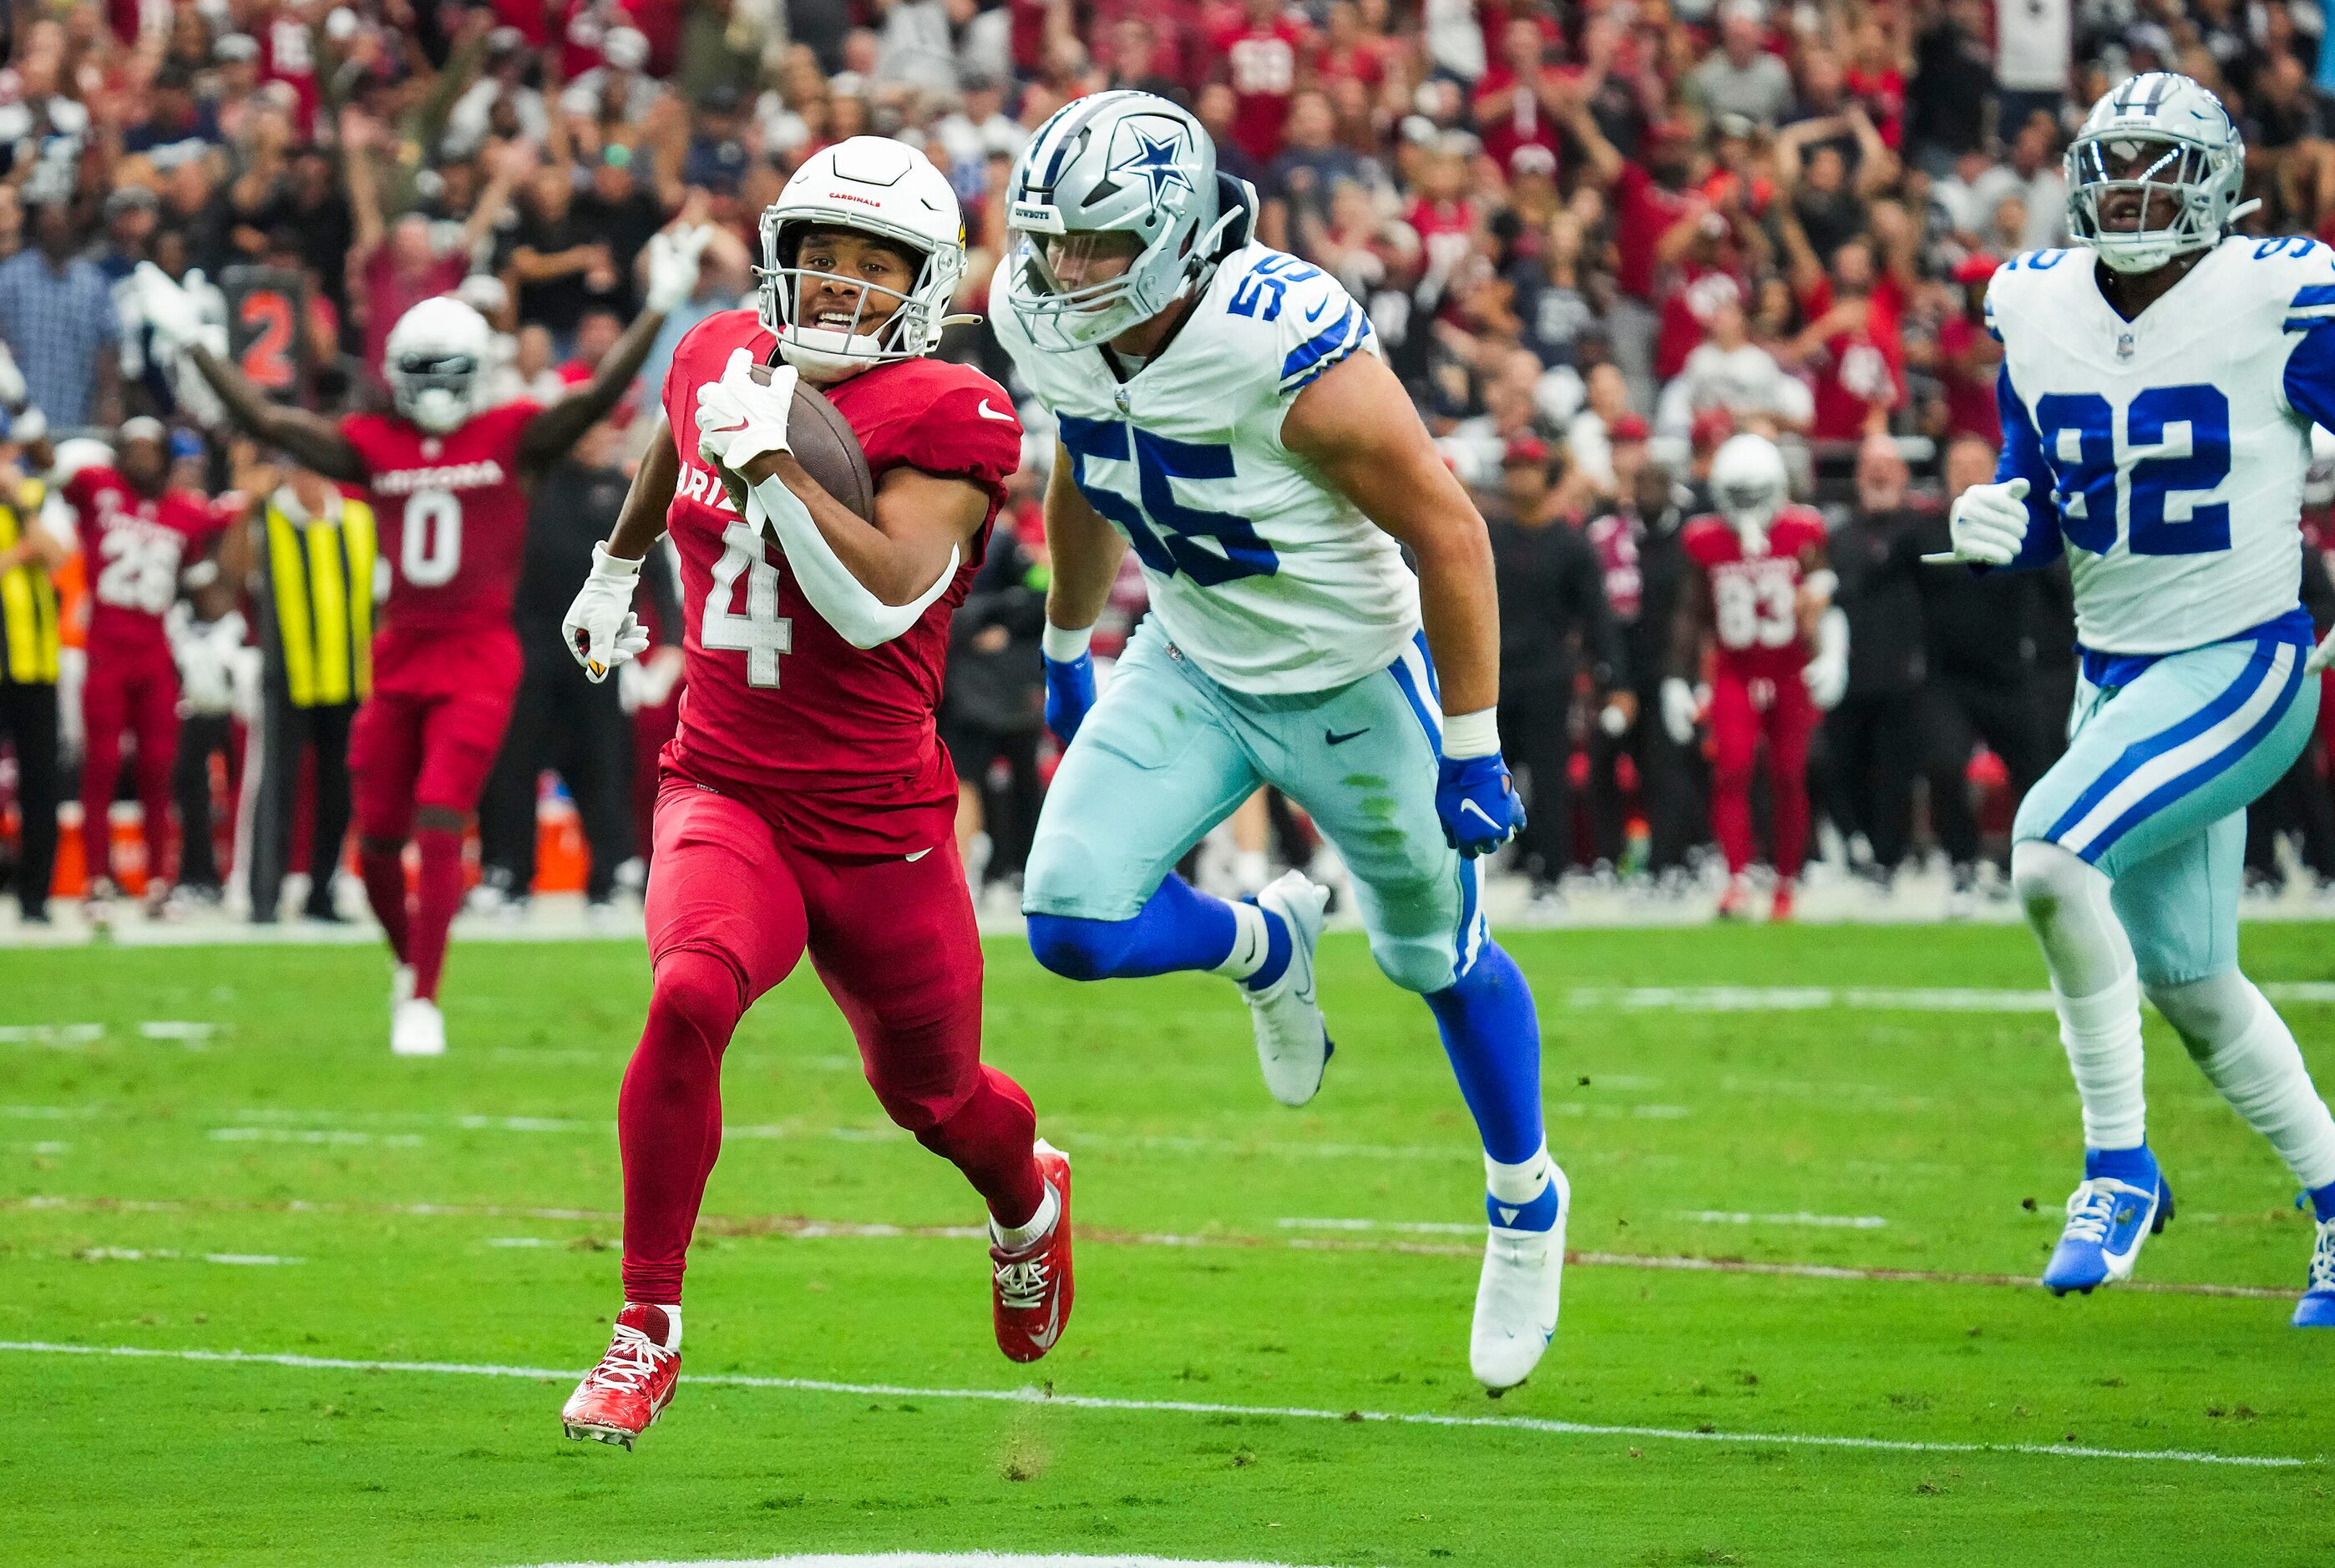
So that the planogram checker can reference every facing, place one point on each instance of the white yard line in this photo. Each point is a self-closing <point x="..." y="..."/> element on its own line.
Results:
<point x="795" y="1227"/>
<point x="1031" y="1396"/>
<point x="1865" y="998"/>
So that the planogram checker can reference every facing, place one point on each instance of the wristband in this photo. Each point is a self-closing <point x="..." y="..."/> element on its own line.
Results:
<point x="1476" y="735"/>
<point x="607" y="566"/>
<point x="1066" y="645"/>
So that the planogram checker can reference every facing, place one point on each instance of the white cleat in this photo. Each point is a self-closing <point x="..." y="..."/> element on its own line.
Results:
<point x="1293" y="1043"/>
<point x="1523" y="1278"/>
<point x="417" y="1028"/>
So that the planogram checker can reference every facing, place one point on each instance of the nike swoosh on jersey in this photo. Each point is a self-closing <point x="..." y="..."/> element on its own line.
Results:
<point x="919" y="855"/>
<point x="1332" y="737"/>
<point x="985" y="411"/>
<point x="1315" y="313"/>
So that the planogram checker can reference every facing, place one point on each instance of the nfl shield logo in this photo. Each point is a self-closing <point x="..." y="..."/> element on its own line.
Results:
<point x="1122" y="399"/>
<point x="2124" y="346"/>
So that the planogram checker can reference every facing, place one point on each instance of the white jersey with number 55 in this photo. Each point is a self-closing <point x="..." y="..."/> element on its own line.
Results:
<point x="2167" y="454"/>
<point x="1268" y="580"/>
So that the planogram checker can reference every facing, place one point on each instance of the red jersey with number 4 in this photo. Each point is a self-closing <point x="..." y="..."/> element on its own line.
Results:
<point x="1755" y="598"/>
<point x="451" y="516"/>
<point x="776" y="699"/>
<point x="135" y="548"/>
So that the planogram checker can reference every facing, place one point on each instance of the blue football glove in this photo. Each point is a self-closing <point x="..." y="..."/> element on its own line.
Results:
<point x="1070" y="693"/>
<point x="1478" y="802"/>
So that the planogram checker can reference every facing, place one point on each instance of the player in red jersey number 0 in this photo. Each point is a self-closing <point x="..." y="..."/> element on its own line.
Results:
<point x="450" y="479"/>
<point x="805" y="803"/>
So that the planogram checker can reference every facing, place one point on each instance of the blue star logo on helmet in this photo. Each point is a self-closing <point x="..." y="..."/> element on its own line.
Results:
<point x="1158" y="161"/>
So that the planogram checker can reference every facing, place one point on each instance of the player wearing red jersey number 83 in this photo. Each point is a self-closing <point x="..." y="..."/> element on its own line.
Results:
<point x="806" y="804"/>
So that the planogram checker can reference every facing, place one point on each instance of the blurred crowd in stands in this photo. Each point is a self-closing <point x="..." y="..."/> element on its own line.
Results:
<point x="1594" y="238"/>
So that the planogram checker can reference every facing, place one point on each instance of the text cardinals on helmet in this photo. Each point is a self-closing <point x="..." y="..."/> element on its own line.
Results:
<point x="436" y="363"/>
<point x="875" y="185"/>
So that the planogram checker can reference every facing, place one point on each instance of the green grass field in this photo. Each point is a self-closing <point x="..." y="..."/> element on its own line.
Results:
<point x="281" y="1188"/>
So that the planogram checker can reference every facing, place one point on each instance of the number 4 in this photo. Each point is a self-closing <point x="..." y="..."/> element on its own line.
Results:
<point x="761" y="634"/>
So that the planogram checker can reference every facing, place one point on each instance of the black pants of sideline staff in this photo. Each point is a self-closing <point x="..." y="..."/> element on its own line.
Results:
<point x="288" y="735"/>
<point x="28" y="724"/>
<point x="564" y="722"/>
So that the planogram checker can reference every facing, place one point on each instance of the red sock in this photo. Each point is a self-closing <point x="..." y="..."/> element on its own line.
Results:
<point x="384" y="884"/>
<point x="436" y="896"/>
<point x="669" y="1116"/>
<point x="990" y="1140"/>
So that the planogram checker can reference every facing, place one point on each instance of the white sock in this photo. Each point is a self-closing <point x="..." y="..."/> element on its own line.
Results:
<point x="1251" y="943"/>
<point x="2102" y="1034"/>
<point x="673" y="1321"/>
<point x="2261" y="1073"/>
<point x="1519" y="1184"/>
<point x="1016" y="1238"/>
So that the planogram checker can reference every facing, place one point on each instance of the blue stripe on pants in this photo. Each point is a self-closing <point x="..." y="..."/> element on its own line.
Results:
<point x="2140" y="752"/>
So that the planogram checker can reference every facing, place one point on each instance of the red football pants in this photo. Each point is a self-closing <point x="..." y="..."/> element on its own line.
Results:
<point x="410" y="749"/>
<point x="1743" y="714"/>
<point x="139" y="693"/>
<point x="732" y="906"/>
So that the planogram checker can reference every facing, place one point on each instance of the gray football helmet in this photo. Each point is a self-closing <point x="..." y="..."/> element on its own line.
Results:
<point x="2156" y="135"/>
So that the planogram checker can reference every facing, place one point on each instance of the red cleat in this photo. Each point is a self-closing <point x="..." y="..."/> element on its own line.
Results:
<point x="1032" y="1287"/>
<point x="1735" y="903"/>
<point x="622" y="1397"/>
<point x="1780" y="909"/>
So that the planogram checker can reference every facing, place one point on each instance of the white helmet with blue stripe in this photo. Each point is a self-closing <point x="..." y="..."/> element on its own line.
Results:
<point x="1116" y="177"/>
<point x="2161" y="148"/>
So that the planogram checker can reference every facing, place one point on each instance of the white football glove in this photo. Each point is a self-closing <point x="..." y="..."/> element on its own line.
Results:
<point x="1988" y="525"/>
<point x="673" y="264"/>
<point x="601" y="629"/>
<point x="740" y="419"/>
<point x="1827" y="674"/>
<point x="1679" y="710"/>
<point x="2320" y="657"/>
<point x="14" y="393"/>
<point x="168" y="309"/>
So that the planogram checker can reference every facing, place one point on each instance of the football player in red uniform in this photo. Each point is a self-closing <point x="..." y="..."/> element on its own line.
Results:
<point x="805" y="803"/>
<point x="1758" y="600"/>
<point x="139" y="535"/>
<point x="448" y="479"/>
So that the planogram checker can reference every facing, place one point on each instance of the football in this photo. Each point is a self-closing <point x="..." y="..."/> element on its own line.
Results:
<point x="823" y="443"/>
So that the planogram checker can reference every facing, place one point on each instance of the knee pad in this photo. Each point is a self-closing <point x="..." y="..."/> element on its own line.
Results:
<point x="700" y="990"/>
<point x="1418" y="964"/>
<point x="2209" y="1012"/>
<point x="2044" y="876"/>
<point x="1079" y="949"/>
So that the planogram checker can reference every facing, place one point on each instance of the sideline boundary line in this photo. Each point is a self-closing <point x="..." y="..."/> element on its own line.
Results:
<point x="1039" y="1396"/>
<point x="797" y="1227"/>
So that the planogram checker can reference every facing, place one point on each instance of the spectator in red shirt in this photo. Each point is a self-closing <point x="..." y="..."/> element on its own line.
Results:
<point x="1853" y="344"/>
<point x="1347" y="51"/>
<point x="1262" y="53"/>
<point x="1969" y="357"/>
<point x="1521" y="100"/>
<point x="392" y="267"/>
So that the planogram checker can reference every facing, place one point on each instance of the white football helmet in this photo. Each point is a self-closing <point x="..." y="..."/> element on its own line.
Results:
<point x="875" y="185"/>
<point x="436" y="365"/>
<point x="2156" y="135"/>
<point x="1110" y="171"/>
<point x="1750" y="485"/>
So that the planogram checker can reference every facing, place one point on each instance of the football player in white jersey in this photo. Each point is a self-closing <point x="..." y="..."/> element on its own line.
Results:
<point x="2160" y="383"/>
<point x="1222" y="407"/>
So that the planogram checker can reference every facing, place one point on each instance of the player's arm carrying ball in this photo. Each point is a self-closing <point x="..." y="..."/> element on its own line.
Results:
<point x="1357" y="428"/>
<point x="871" y="581"/>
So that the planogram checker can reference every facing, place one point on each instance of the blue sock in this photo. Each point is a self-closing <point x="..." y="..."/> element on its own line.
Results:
<point x="2322" y="1203"/>
<point x="1492" y="1034"/>
<point x="1278" y="945"/>
<point x="1178" y="928"/>
<point x="2134" y="1166"/>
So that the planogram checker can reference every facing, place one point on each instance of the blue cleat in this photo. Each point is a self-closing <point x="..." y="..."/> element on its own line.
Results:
<point x="2316" y="1310"/>
<point x="2107" y="1219"/>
